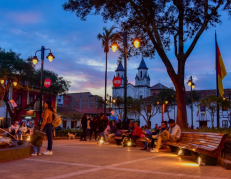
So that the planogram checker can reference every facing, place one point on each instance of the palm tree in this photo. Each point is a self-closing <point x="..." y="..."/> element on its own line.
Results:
<point x="106" y="38"/>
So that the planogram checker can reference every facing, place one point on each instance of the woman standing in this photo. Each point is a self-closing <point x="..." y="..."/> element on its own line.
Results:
<point x="49" y="115"/>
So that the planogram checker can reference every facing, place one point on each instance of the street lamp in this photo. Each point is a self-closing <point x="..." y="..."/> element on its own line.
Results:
<point x="192" y="85"/>
<point x="114" y="47"/>
<point x="113" y="100"/>
<point x="2" y="82"/>
<point x="35" y="60"/>
<point x="15" y="83"/>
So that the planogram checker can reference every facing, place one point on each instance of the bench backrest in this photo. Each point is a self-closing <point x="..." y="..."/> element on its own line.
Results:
<point x="210" y="141"/>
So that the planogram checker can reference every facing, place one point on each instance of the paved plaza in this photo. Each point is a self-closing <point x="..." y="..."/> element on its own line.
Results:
<point x="75" y="159"/>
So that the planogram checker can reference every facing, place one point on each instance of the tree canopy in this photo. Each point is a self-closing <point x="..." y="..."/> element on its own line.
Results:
<point x="159" y="24"/>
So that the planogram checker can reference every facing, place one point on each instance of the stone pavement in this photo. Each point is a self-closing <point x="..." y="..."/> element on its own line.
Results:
<point x="75" y="159"/>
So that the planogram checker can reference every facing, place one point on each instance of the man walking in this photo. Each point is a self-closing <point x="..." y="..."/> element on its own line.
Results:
<point x="84" y="127"/>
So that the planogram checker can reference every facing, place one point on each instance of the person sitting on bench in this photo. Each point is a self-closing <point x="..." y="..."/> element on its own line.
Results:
<point x="172" y="135"/>
<point x="113" y="130"/>
<point x="136" y="133"/>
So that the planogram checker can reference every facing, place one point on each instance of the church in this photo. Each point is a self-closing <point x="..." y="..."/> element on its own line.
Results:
<point x="140" y="90"/>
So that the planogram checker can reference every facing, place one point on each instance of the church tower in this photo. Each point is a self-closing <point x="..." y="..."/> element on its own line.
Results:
<point x="120" y="90"/>
<point x="142" y="78"/>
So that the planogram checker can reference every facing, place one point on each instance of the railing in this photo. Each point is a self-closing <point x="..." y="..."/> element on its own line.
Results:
<point x="226" y="150"/>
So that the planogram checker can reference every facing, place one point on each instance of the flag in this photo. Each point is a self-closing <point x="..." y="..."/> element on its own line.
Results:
<point x="221" y="71"/>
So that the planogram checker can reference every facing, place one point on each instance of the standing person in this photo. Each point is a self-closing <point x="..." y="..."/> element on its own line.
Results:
<point x="88" y="125"/>
<point x="49" y="115"/>
<point x="84" y="127"/>
<point x="93" y="125"/>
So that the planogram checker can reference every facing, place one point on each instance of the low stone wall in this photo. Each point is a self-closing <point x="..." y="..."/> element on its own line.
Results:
<point x="15" y="152"/>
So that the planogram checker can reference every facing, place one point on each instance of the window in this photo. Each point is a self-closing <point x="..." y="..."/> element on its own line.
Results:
<point x="19" y="101"/>
<point x="73" y="124"/>
<point x="141" y="74"/>
<point x="64" y="124"/>
<point x="31" y="98"/>
<point x="37" y="103"/>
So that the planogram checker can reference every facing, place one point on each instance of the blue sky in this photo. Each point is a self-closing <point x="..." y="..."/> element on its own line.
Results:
<point x="27" y="25"/>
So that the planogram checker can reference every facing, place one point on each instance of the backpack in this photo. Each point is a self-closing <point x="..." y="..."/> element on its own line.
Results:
<point x="57" y="121"/>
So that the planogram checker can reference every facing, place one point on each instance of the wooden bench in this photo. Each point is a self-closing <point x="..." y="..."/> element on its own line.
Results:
<point x="206" y="146"/>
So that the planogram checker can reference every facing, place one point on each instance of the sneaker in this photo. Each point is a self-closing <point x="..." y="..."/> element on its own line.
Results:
<point x="34" y="154"/>
<point x="154" y="150"/>
<point x="48" y="152"/>
<point x="106" y="143"/>
<point x="145" y="148"/>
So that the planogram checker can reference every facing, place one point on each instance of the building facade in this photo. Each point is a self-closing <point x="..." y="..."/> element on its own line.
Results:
<point x="140" y="90"/>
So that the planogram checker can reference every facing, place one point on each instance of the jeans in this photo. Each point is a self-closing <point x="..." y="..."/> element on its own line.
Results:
<point x="48" y="128"/>
<point x="165" y="136"/>
<point x="109" y="137"/>
<point x="87" y="131"/>
<point x="36" y="149"/>
<point x="83" y="134"/>
<point x="91" y="132"/>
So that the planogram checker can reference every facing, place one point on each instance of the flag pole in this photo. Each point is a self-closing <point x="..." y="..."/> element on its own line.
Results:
<point x="217" y="92"/>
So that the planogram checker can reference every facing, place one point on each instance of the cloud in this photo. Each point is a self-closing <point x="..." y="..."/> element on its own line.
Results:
<point x="24" y="17"/>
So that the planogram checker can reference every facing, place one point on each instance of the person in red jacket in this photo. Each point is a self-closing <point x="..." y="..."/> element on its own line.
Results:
<point x="136" y="133"/>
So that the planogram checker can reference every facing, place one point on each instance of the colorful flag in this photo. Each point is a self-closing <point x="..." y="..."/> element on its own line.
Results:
<point x="221" y="71"/>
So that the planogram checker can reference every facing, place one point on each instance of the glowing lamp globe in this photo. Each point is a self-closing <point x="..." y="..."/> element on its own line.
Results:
<point x="35" y="60"/>
<point x="136" y="42"/>
<point x="50" y="57"/>
<point x="114" y="46"/>
<point x="189" y="83"/>
<point x="15" y="83"/>
<point x="2" y="82"/>
<point x="193" y="85"/>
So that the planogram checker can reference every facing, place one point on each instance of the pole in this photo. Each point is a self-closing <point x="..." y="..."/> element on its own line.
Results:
<point x="125" y="78"/>
<point x="163" y="108"/>
<point x="191" y="105"/>
<point x="217" y="92"/>
<point x="41" y="84"/>
<point x="105" y="98"/>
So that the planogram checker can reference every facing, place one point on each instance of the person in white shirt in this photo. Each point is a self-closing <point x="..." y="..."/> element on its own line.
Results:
<point x="13" y="128"/>
<point x="22" y="130"/>
<point x="172" y="135"/>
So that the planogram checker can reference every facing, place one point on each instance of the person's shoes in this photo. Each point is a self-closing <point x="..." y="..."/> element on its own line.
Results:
<point x="84" y="139"/>
<point x="106" y="143"/>
<point x="154" y="150"/>
<point x="34" y="154"/>
<point x="145" y="148"/>
<point x="48" y="152"/>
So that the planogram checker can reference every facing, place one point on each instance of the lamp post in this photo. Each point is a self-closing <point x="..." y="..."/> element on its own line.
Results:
<point x="35" y="60"/>
<point x="192" y="85"/>
<point x="114" y="47"/>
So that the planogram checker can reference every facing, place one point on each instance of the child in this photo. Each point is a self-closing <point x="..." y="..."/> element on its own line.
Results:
<point x="37" y="140"/>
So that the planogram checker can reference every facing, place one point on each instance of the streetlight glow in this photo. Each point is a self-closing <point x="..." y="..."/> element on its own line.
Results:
<point x="35" y="60"/>
<point x="189" y="83"/>
<point x="15" y="83"/>
<point x="166" y="102"/>
<point x="136" y="42"/>
<point x="193" y="85"/>
<point x="114" y="46"/>
<point x="50" y="57"/>
<point x="158" y="102"/>
<point x="113" y="100"/>
<point x="2" y="82"/>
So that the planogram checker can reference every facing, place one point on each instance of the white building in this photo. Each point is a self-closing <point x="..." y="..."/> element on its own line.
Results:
<point x="141" y="89"/>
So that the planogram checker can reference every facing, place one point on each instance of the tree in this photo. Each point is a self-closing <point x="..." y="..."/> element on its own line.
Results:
<point x="106" y="38"/>
<point x="147" y="108"/>
<point x="15" y="69"/>
<point x="159" y="23"/>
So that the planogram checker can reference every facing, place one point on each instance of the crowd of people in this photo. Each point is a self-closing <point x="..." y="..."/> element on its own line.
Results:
<point x="106" y="129"/>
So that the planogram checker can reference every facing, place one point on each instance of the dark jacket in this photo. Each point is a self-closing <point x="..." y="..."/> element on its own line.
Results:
<point x="37" y="138"/>
<point x="93" y="124"/>
<point x="119" y="124"/>
<point x="84" y="122"/>
<point x="113" y="129"/>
